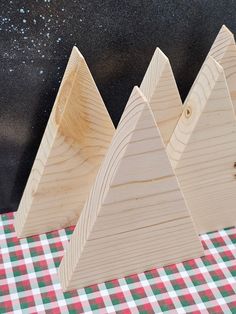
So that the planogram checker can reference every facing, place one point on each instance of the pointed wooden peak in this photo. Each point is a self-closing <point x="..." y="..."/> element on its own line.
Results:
<point x="154" y="73"/>
<point x="135" y="210"/>
<point x="162" y="93"/>
<point x="210" y="85"/>
<point x="224" y="39"/>
<point x="223" y="42"/>
<point x="210" y="76"/>
<point x="75" y="60"/>
<point x="225" y="29"/>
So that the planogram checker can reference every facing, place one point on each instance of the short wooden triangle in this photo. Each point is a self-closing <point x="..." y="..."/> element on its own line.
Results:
<point x="202" y="151"/>
<point x="75" y="141"/>
<point x="162" y="93"/>
<point x="135" y="217"/>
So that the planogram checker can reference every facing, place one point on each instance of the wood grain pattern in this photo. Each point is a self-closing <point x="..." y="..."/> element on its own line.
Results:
<point x="224" y="52"/>
<point x="224" y="39"/>
<point x="75" y="141"/>
<point x="202" y="151"/>
<point x="135" y="217"/>
<point x="162" y="93"/>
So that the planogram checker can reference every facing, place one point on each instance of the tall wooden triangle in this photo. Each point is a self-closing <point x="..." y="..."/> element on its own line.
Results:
<point x="202" y="151"/>
<point x="75" y="141"/>
<point x="135" y="217"/>
<point x="162" y="93"/>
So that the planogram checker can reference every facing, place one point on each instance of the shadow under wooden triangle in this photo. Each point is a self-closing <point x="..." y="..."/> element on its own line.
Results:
<point x="75" y="141"/>
<point x="202" y="150"/>
<point x="135" y="218"/>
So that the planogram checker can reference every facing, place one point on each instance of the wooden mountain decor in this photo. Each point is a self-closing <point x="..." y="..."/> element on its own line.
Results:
<point x="223" y="51"/>
<point x="223" y="40"/>
<point x="135" y="217"/>
<point x="75" y="141"/>
<point x="202" y="151"/>
<point x="162" y="93"/>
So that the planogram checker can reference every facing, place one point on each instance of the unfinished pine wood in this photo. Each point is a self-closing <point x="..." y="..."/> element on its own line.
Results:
<point x="223" y="40"/>
<point x="228" y="62"/>
<point x="224" y="52"/>
<point x="135" y="217"/>
<point x="202" y="151"/>
<point x="75" y="141"/>
<point x="162" y="93"/>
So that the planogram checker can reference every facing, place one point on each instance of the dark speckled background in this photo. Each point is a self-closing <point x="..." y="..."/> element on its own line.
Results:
<point x="117" y="39"/>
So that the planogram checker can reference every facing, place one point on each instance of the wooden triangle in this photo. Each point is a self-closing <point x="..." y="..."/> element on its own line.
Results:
<point x="162" y="93"/>
<point x="135" y="218"/>
<point x="223" y="42"/>
<point x="202" y="151"/>
<point x="224" y="52"/>
<point x="224" y="39"/>
<point x="75" y="141"/>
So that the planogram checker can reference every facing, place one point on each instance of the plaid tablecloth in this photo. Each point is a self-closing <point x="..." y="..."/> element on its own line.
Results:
<point x="29" y="281"/>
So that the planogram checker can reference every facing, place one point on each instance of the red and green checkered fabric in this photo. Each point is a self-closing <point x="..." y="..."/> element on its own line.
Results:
<point x="29" y="281"/>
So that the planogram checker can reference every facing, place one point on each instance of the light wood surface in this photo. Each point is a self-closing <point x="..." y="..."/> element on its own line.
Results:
<point x="223" y="40"/>
<point x="135" y="218"/>
<point x="162" y="93"/>
<point x="224" y="52"/>
<point x="202" y="151"/>
<point x="75" y="141"/>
